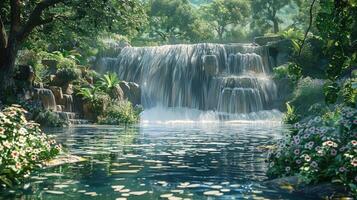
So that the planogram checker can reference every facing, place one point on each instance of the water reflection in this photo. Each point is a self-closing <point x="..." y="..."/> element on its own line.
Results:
<point x="187" y="161"/>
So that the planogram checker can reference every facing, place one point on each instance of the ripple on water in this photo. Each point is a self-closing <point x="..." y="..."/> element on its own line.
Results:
<point x="166" y="161"/>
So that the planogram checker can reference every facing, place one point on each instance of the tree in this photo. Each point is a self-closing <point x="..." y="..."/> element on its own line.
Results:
<point x="265" y="11"/>
<point x="171" y="19"/>
<point x="223" y="13"/>
<point x="20" y="19"/>
<point x="336" y="22"/>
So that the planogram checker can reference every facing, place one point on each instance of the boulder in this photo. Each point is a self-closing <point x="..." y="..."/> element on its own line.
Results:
<point x="67" y="103"/>
<point x="117" y="93"/>
<point x="68" y="89"/>
<point x="132" y="92"/>
<point x="263" y="40"/>
<point x="46" y="97"/>
<point x="210" y="64"/>
<point x="25" y="76"/>
<point x="294" y="184"/>
<point x="281" y="51"/>
<point x="88" y="111"/>
<point x="57" y="91"/>
<point x="51" y="64"/>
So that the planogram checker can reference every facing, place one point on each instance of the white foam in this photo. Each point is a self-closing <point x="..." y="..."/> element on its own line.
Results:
<point x="162" y="115"/>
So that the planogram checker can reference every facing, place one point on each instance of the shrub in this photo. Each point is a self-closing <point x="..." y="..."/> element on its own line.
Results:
<point x="120" y="113"/>
<point x="96" y="99"/>
<point x="48" y="119"/>
<point x="23" y="146"/>
<point x="308" y="91"/>
<point x="322" y="149"/>
<point x="67" y="75"/>
<point x="63" y="61"/>
<point x="281" y="72"/>
<point x="44" y="117"/>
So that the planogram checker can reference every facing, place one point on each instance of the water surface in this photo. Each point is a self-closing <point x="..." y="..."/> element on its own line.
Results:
<point x="160" y="161"/>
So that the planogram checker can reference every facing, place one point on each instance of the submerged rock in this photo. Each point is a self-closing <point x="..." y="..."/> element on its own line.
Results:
<point x="294" y="184"/>
<point x="64" y="159"/>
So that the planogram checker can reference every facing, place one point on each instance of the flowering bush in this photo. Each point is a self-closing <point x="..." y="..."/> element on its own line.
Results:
<point x="322" y="149"/>
<point x="23" y="145"/>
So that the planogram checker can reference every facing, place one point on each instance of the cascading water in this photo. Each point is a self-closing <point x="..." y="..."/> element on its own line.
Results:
<point x="231" y="81"/>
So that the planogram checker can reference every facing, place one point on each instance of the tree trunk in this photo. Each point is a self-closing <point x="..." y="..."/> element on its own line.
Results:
<point x="276" y="25"/>
<point x="7" y="69"/>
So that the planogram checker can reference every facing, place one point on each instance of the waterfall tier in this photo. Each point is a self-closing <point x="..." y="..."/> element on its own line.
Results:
<point x="232" y="78"/>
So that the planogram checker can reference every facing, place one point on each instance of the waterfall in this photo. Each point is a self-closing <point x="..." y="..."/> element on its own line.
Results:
<point x="224" y="78"/>
<point x="46" y="97"/>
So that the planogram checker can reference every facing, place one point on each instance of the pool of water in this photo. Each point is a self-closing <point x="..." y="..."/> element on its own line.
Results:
<point x="160" y="161"/>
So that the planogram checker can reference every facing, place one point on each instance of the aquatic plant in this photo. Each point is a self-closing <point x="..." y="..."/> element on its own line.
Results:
<point x="23" y="146"/>
<point x="319" y="150"/>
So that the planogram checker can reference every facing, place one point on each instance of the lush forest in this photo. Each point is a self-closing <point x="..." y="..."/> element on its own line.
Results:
<point x="52" y="54"/>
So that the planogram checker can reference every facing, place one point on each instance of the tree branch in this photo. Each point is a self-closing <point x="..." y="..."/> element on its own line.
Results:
<point x="308" y="29"/>
<point x="3" y="36"/>
<point x="15" y="17"/>
<point x="35" y="18"/>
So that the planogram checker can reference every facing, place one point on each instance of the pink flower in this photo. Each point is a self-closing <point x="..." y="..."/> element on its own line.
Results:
<point x="18" y="166"/>
<point x="354" y="162"/>
<point x="307" y="158"/>
<point x="15" y="154"/>
<point x="354" y="142"/>
<point x="298" y="162"/>
<point x="287" y="169"/>
<point x="297" y="151"/>
<point x="330" y="144"/>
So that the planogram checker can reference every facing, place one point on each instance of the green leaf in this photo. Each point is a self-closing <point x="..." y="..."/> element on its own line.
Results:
<point x="6" y="181"/>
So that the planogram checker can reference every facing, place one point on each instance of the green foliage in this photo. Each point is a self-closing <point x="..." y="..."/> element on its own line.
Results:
<point x="293" y="34"/>
<point x="48" y="119"/>
<point x="308" y="91"/>
<point x="67" y="75"/>
<point x="349" y="92"/>
<point x="222" y="13"/>
<point x="119" y="113"/>
<point x="95" y="98"/>
<point x="64" y="60"/>
<point x="290" y="117"/>
<point x="335" y="22"/>
<point x="323" y="149"/>
<point x="108" y="82"/>
<point x="171" y="20"/>
<point x="294" y="72"/>
<point x="23" y="146"/>
<point x="264" y="13"/>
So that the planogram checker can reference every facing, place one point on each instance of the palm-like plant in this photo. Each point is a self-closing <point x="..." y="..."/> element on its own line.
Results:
<point x="88" y="94"/>
<point x="108" y="81"/>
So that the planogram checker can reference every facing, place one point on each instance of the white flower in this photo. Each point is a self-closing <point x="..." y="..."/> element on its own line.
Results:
<point x="22" y="131"/>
